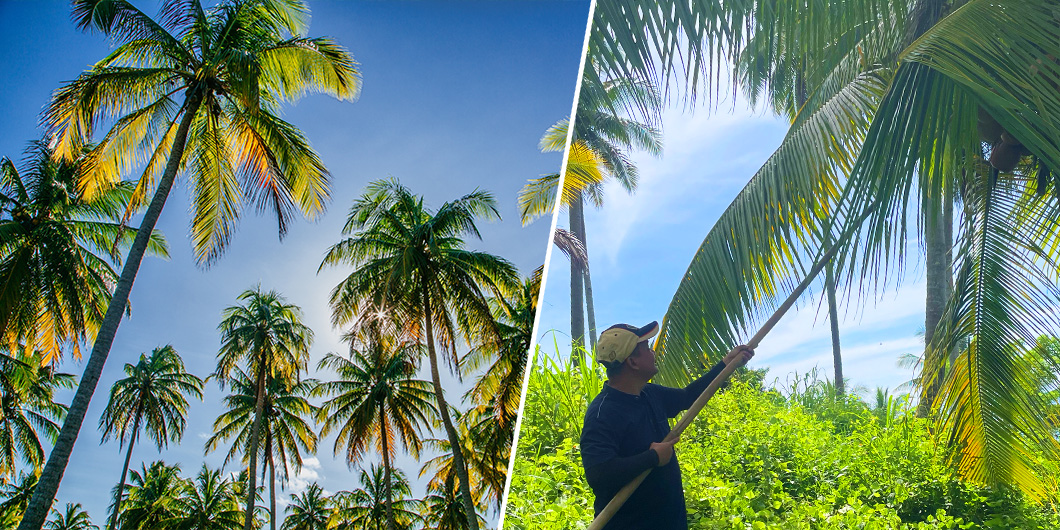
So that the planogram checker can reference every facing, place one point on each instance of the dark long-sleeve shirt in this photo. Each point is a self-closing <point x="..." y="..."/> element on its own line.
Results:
<point x="615" y="446"/>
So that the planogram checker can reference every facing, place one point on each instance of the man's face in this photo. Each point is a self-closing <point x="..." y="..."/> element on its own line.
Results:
<point x="644" y="359"/>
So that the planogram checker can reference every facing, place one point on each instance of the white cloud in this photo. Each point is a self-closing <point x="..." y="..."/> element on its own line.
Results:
<point x="309" y="473"/>
<point x="707" y="156"/>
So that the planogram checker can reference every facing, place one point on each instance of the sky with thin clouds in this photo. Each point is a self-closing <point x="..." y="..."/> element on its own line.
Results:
<point x="641" y="244"/>
<point x="456" y="96"/>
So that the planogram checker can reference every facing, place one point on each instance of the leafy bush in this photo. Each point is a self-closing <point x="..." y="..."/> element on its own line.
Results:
<point x="754" y="459"/>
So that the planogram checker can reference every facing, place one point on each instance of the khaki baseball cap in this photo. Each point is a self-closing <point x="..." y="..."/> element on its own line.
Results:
<point x="618" y="342"/>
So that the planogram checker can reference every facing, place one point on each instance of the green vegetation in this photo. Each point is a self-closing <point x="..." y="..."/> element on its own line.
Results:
<point x="805" y="457"/>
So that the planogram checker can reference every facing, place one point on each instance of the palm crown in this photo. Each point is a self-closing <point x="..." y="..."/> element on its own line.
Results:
<point x="152" y="396"/>
<point x="27" y="410"/>
<point x="57" y="247"/>
<point x="235" y="65"/>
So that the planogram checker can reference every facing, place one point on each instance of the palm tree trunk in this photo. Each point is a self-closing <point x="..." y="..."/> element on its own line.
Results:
<point x="272" y="486"/>
<point x="590" y="312"/>
<point x="52" y="475"/>
<point x="938" y="275"/>
<point x="443" y="409"/>
<point x="255" y="433"/>
<point x="833" y="320"/>
<point x="390" y="524"/>
<point x="125" y="469"/>
<point x="577" y="318"/>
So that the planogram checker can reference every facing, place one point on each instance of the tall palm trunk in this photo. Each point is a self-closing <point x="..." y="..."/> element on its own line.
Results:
<point x="938" y="275"/>
<point x="443" y="409"/>
<point x="125" y="468"/>
<point x="52" y="475"/>
<point x="577" y="318"/>
<point x="829" y="274"/>
<point x="390" y="524"/>
<point x="590" y="312"/>
<point x="271" y="462"/>
<point x="833" y="320"/>
<point x="255" y="433"/>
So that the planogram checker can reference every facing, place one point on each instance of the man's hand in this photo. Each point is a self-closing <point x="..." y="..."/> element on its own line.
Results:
<point x="742" y="350"/>
<point x="665" y="450"/>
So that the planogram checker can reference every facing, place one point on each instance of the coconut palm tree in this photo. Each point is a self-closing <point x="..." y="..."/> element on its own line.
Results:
<point x="56" y="250"/>
<point x="208" y="503"/>
<point x="27" y="410"/>
<point x="376" y="398"/>
<point x="16" y="496"/>
<point x="442" y="510"/>
<point x="286" y="433"/>
<point x="487" y="448"/>
<point x="153" y="396"/>
<point x="500" y="386"/>
<point x="267" y="335"/>
<point x="410" y="264"/>
<point x="72" y="518"/>
<point x="601" y="138"/>
<point x="151" y="497"/>
<point x="601" y="127"/>
<point x="309" y="511"/>
<point x="909" y="103"/>
<point x="366" y="507"/>
<point x="200" y="90"/>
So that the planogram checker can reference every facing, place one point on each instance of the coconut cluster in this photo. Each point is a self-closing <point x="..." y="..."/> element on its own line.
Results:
<point x="1006" y="149"/>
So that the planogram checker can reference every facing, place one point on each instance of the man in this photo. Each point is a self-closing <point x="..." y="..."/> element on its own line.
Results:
<point x="625" y="425"/>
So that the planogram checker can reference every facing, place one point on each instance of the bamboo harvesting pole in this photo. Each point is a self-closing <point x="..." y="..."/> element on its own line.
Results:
<point x="620" y="498"/>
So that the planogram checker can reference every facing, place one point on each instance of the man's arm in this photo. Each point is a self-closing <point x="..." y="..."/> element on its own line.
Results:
<point x="677" y="399"/>
<point x="617" y="472"/>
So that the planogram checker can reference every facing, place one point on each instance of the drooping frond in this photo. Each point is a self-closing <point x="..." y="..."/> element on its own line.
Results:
<point x="993" y="407"/>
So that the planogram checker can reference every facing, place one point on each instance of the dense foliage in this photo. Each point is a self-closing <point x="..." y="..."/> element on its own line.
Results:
<point x="754" y="458"/>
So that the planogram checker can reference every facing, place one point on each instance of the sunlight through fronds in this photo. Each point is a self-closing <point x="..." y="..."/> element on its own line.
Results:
<point x="243" y="59"/>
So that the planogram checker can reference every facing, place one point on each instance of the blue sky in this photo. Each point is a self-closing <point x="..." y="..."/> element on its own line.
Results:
<point x="641" y="244"/>
<point x="456" y="96"/>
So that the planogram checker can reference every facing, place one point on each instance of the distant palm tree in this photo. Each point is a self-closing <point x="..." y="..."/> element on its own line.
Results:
<point x="151" y="497"/>
<point x="410" y="263"/>
<point x="286" y="433"/>
<point x="56" y="249"/>
<point x="309" y="511"/>
<point x="376" y="398"/>
<point x="152" y="396"/>
<point x="500" y="386"/>
<point x="484" y="442"/>
<point x="199" y="90"/>
<point x="72" y="518"/>
<point x="604" y="125"/>
<point x="268" y="336"/>
<point x="15" y="495"/>
<point x="603" y="136"/>
<point x="27" y="410"/>
<point x="209" y="503"/>
<point x="240" y="487"/>
<point x="365" y="508"/>
<point x="442" y="510"/>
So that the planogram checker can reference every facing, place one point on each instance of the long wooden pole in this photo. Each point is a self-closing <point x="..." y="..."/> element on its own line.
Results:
<point x="620" y="498"/>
